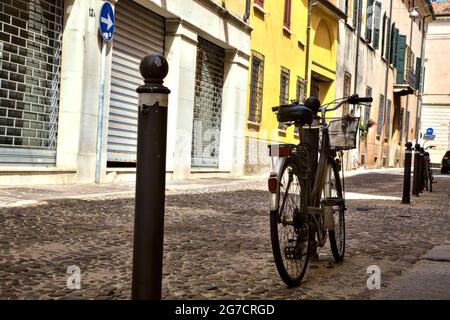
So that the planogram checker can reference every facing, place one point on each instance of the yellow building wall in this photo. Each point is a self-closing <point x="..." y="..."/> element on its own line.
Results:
<point x="324" y="33"/>
<point x="280" y="49"/>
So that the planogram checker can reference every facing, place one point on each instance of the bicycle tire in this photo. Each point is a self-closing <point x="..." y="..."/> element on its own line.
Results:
<point x="290" y="263"/>
<point x="337" y="240"/>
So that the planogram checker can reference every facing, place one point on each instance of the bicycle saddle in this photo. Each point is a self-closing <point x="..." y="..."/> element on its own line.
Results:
<point x="295" y="113"/>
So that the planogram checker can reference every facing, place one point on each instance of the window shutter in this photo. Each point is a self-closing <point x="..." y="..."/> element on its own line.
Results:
<point x="391" y="44"/>
<point x="400" y="125"/>
<point x="380" y="115"/>
<point x="388" y="39"/>
<point x="401" y="58"/>
<point x="418" y="72"/>
<point x="388" y="120"/>
<point x="369" y="20"/>
<point x="383" y="37"/>
<point x="376" y="23"/>
<point x="408" y="116"/>
<point x="368" y="107"/>
<point x="355" y="13"/>
<point x="395" y="47"/>
<point x="287" y="13"/>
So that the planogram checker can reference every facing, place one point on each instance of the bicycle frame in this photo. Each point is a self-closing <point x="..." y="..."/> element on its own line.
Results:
<point x="300" y="154"/>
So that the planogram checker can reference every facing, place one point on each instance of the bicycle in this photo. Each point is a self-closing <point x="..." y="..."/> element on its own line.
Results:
<point x="306" y="202"/>
<point x="428" y="170"/>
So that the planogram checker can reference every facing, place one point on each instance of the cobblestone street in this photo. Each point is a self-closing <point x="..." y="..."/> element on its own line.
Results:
<point x="217" y="243"/>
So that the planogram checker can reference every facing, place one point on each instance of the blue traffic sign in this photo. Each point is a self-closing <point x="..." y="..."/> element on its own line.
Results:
<point x="107" y="21"/>
<point x="429" y="132"/>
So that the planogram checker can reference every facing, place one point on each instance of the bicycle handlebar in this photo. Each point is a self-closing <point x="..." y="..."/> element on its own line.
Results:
<point x="353" y="99"/>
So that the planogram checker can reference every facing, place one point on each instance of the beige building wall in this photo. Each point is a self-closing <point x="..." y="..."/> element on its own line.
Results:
<point x="436" y="95"/>
<point x="377" y="150"/>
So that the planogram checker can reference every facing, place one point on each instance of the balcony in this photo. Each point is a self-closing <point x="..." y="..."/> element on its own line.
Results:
<point x="406" y="85"/>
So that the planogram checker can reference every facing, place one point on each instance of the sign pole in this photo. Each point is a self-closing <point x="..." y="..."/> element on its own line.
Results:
<point x="106" y="28"/>
<point x="101" y="107"/>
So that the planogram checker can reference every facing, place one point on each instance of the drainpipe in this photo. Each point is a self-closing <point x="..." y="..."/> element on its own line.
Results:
<point x="358" y="35"/>
<point x="420" y="89"/>
<point x="388" y="58"/>
<point x="356" y="152"/>
<point x="247" y="10"/>
<point x="407" y="97"/>
<point x="308" y="44"/>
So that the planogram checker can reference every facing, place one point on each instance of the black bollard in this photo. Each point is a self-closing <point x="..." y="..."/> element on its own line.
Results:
<point x="150" y="180"/>
<point x="407" y="176"/>
<point x="416" y="170"/>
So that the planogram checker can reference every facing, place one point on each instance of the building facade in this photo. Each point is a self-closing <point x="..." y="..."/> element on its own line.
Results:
<point x="436" y="95"/>
<point x="51" y="57"/>
<point x="380" y="54"/>
<point x="281" y="70"/>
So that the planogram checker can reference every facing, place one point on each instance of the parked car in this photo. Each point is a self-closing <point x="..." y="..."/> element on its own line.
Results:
<point x="446" y="162"/>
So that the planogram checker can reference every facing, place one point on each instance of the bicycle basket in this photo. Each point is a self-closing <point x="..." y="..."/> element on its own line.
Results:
<point x="343" y="132"/>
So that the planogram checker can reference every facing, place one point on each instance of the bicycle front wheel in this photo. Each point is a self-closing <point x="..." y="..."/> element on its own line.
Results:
<point x="337" y="234"/>
<point x="289" y="229"/>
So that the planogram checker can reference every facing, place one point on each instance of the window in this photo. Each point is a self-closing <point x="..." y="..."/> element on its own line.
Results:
<point x="284" y="90"/>
<point x="387" y="132"/>
<point x="401" y="48"/>
<point x="347" y="90"/>
<point x="355" y="13"/>
<point x="369" y="20"/>
<point x="388" y="39"/>
<point x="408" y="115"/>
<point x="380" y="115"/>
<point x="400" y="125"/>
<point x="391" y="43"/>
<point x="300" y="89"/>
<point x="376" y="24"/>
<point x="367" y="108"/>
<point x="287" y="13"/>
<point x="284" y="85"/>
<point x="260" y="3"/>
<point x="394" y="54"/>
<point x="418" y="73"/>
<point x="256" y="87"/>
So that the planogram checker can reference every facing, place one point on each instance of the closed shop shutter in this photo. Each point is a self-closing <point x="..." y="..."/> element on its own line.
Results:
<point x="208" y="105"/>
<point x="139" y="32"/>
<point x="30" y="52"/>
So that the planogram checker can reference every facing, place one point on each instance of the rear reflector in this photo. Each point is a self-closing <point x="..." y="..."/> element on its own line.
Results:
<point x="273" y="183"/>
<point x="280" y="151"/>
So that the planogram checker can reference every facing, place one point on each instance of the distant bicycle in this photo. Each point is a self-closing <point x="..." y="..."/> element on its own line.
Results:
<point x="306" y="204"/>
<point x="428" y="171"/>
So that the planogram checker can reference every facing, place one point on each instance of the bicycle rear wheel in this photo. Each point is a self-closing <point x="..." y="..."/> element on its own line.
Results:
<point x="290" y="232"/>
<point x="336" y="235"/>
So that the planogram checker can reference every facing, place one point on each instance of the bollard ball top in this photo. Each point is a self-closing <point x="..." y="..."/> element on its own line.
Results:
<point x="154" y="67"/>
<point x="409" y="145"/>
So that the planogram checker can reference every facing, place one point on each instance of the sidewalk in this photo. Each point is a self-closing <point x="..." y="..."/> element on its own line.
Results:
<point x="29" y="195"/>
<point x="429" y="279"/>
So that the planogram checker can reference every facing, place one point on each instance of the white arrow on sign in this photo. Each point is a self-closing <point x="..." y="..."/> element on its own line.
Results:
<point x="107" y="21"/>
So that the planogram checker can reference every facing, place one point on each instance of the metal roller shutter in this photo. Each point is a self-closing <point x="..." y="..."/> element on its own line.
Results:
<point x="207" y="105"/>
<point x="30" y="50"/>
<point x="139" y="32"/>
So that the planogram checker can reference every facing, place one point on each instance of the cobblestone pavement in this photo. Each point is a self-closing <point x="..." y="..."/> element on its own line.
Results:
<point x="217" y="244"/>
